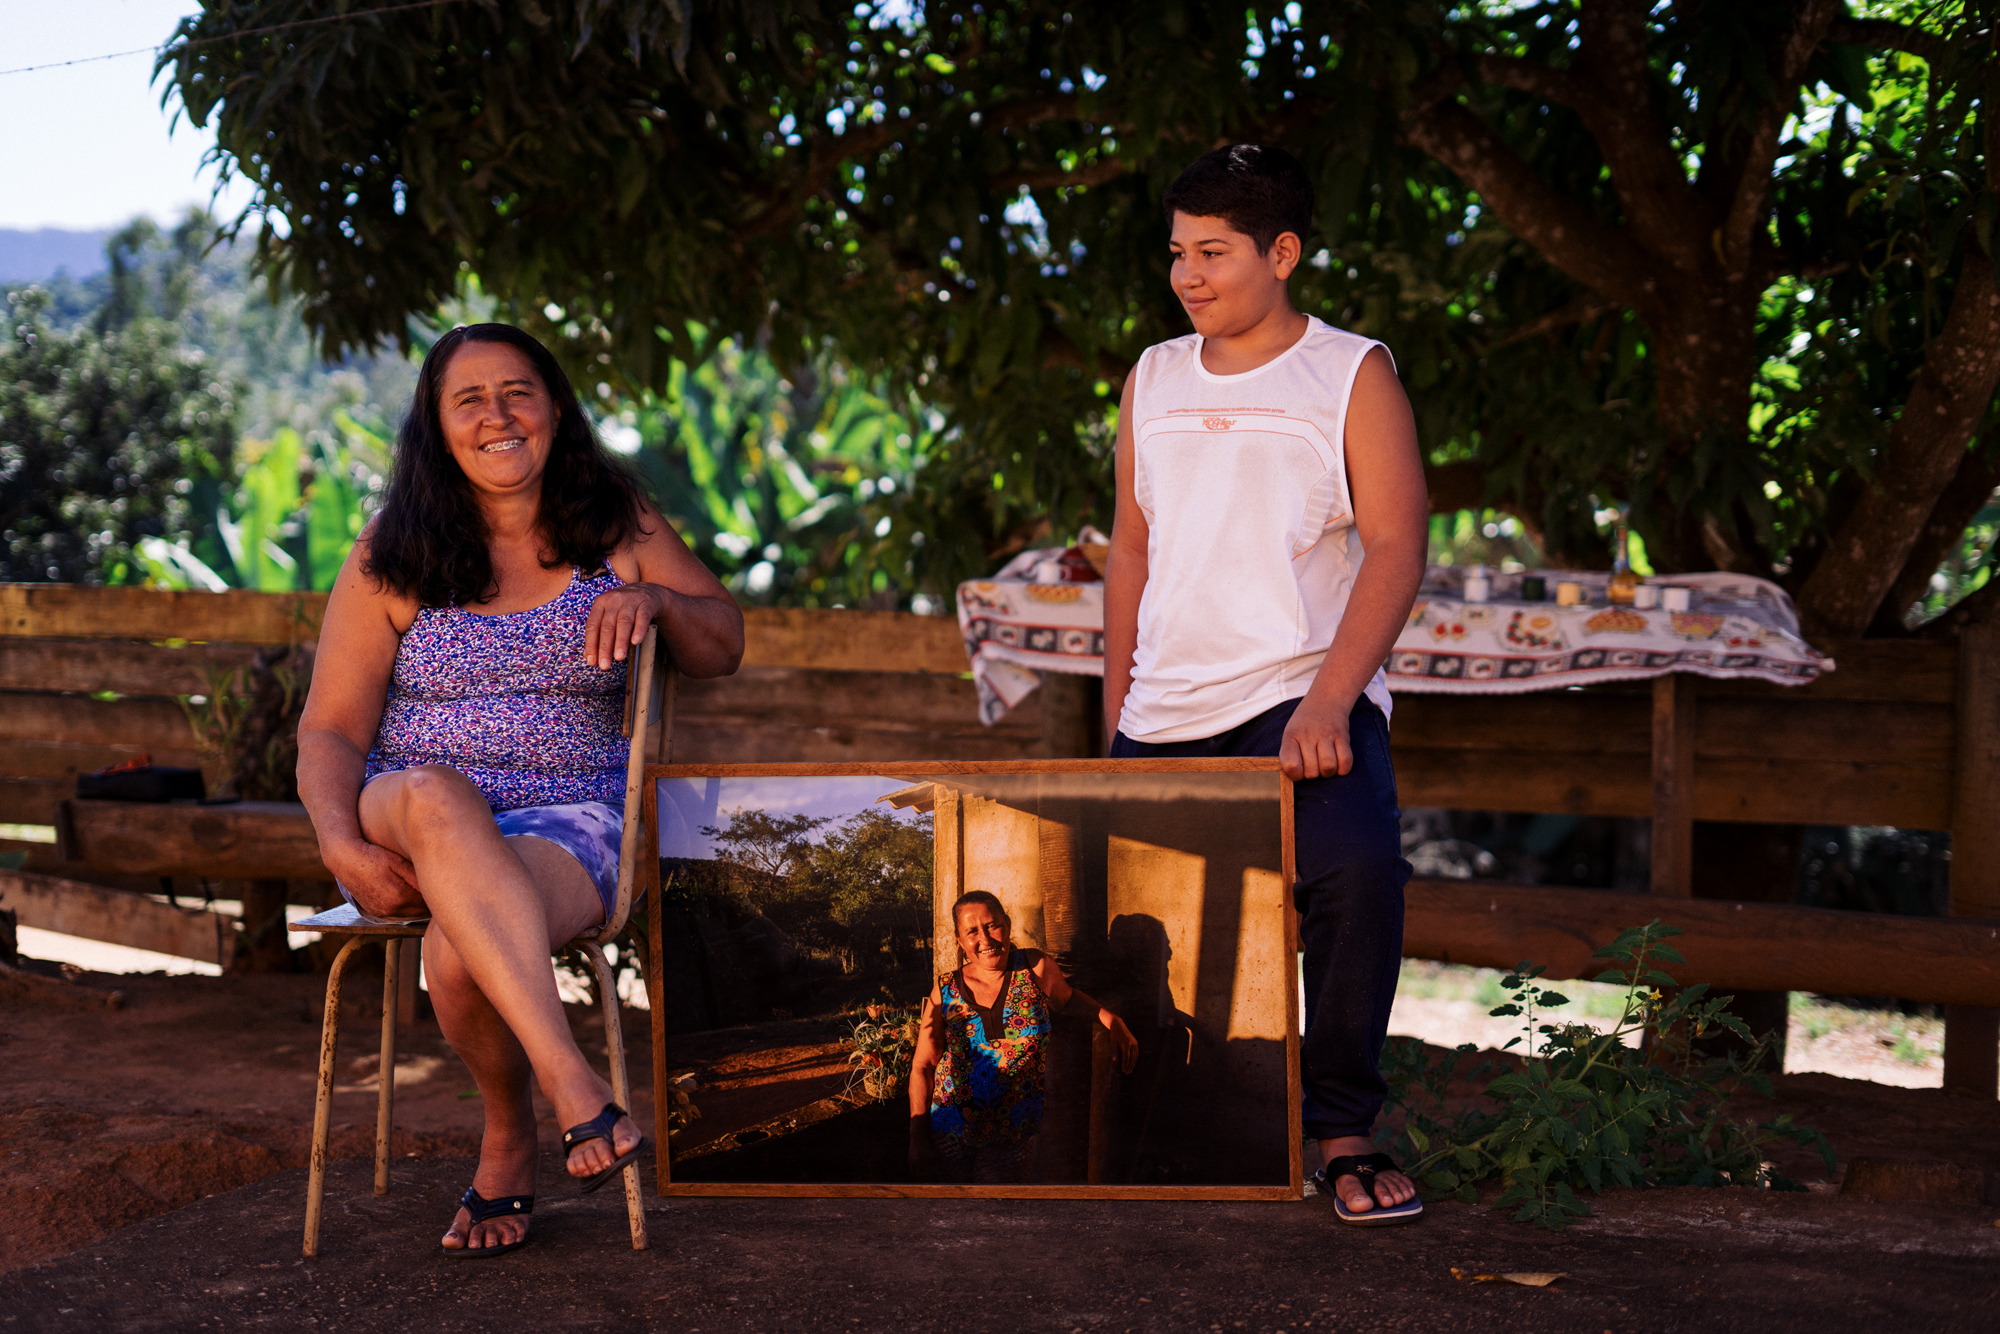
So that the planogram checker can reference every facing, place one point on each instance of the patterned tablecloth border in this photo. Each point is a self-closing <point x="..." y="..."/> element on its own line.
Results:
<point x="1752" y="624"/>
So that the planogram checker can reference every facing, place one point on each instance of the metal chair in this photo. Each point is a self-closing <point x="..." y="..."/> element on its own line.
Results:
<point x="649" y="693"/>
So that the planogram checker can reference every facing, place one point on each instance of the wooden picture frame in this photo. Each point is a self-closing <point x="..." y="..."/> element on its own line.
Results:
<point x="1210" y="866"/>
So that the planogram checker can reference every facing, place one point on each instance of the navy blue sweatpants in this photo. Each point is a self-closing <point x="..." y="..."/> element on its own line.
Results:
<point x="1348" y="853"/>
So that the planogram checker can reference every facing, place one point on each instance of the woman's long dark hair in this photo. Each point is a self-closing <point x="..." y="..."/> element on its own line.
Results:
<point x="430" y="538"/>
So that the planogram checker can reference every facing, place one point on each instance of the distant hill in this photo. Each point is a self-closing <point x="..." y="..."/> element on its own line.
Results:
<point x="27" y="257"/>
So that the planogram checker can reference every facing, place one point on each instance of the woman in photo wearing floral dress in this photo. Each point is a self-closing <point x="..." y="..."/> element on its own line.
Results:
<point x="976" y="1077"/>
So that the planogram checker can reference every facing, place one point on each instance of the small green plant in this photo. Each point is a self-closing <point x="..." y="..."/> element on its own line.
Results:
<point x="1585" y="1109"/>
<point x="247" y="726"/>
<point x="681" y="1111"/>
<point x="1906" y="1046"/>
<point x="882" y="1046"/>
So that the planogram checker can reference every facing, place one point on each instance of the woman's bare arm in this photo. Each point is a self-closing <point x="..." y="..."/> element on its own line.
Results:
<point x="351" y="670"/>
<point x="930" y="1049"/>
<point x="665" y="583"/>
<point x="1066" y="999"/>
<point x="1125" y="574"/>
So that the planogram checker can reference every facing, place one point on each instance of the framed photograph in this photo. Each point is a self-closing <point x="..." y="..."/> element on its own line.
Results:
<point x="1011" y="979"/>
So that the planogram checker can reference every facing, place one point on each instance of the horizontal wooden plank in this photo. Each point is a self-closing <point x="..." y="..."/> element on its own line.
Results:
<point x="1732" y="946"/>
<point x="57" y="759"/>
<point x="852" y="641"/>
<point x="245" y="840"/>
<point x="1740" y="789"/>
<point x="1846" y="731"/>
<point x="795" y="697"/>
<point x="129" y="667"/>
<point x="1597" y="722"/>
<point x="697" y="743"/>
<point x="49" y="903"/>
<point x="1821" y="792"/>
<point x="148" y="724"/>
<point x="238" y="616"/>
<point x="1730" y="789"/>
<point x="31" y="800"/>
<point x="1914" y="671"/>
<point x="47" y="859"/>
<point x="1619" y="722"/>
<point x="773" y="636"/>
<point x="1552" y="782"/>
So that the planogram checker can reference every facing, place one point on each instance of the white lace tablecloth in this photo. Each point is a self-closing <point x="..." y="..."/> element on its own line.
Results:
<point x="1035" y="617"/>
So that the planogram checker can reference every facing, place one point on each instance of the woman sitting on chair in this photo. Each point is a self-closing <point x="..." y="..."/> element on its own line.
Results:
<point x="461" y="752"/>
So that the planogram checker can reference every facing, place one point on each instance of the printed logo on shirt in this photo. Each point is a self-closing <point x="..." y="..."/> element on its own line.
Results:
<point x="1218" y="423"/>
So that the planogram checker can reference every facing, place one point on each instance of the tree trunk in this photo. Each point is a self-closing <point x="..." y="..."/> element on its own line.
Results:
<point x="1926" y="447"/>
<point x="1962" y="500"/>
<point x="263" y="946"/>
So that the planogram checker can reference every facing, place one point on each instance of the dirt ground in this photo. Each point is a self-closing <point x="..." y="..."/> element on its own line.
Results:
<point x="152" y="1177"/>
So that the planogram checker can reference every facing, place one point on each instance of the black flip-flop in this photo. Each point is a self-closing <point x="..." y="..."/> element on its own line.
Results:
<point x="1365" y="1167"/>
<point x="601" y="1127"/>
<point x="482" y="1209"/>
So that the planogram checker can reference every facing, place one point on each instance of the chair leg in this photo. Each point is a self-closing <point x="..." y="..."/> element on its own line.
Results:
<point x="329" y="1039"/>
<point x="621" y="1084"/>
<point x="385" y="1073"/>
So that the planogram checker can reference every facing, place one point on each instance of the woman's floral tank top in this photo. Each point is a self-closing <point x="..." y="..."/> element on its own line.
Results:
<point x="988" y="1086"/>
<point x="509" y="702"/>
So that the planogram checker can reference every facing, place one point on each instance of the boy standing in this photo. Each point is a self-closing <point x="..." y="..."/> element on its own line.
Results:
<point x="1260" y="460"/>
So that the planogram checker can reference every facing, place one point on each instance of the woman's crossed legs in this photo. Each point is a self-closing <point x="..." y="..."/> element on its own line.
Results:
<point x="499" y="907"/>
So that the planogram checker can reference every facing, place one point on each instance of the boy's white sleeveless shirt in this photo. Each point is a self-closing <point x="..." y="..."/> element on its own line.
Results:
<point x="1251" y="548"/>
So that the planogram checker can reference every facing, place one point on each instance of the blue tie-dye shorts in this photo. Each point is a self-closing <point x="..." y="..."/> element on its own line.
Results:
<point x="590" y="831"/>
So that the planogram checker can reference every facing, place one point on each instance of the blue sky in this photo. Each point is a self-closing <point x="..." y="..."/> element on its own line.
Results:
<point x="89" y="146"/>
<point x="686" y="804"/>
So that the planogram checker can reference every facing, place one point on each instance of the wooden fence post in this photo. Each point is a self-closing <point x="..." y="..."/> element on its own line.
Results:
<point x="1972" y="1034"/>
<point x="1673" y="784"/>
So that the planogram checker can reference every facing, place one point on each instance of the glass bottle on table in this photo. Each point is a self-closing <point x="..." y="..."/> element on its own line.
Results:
<point x="1624" y="585"/>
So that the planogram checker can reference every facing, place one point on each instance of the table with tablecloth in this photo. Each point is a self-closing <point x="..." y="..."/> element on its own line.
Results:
<point x="1044" y="612"/>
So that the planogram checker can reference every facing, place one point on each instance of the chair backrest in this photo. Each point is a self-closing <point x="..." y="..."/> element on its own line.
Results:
<point x="649" y="723"/>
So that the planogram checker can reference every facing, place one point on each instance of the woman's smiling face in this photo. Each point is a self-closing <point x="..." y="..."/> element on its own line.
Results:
<point x="982" y="936"/>
<point x="498" y="416"/>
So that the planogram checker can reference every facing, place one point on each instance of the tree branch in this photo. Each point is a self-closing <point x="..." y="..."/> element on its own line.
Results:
<point x="1667" y="216"/>
<point x="1883" y="35"/>
<point x="1750" y="195"/>
<point x="1589" y="250"/>
<point x="1525" y="76"/>
<point x="1579" y="310"/>
<point x="1969" y="490"/>
<point x="1925" y="448"/>
<point x="1035" y="178"/>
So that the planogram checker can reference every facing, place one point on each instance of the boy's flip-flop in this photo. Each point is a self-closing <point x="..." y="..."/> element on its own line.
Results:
<point x="1365" y="1167"/>
<point x="482" y="1209"/>
<point x="600" y="1128"/>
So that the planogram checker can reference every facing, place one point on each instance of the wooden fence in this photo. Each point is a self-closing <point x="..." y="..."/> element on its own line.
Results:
<point x="1903" y="733"/>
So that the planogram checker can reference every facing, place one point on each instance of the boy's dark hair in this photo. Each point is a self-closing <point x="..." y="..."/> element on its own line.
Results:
<point x="1258" y="190"/>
